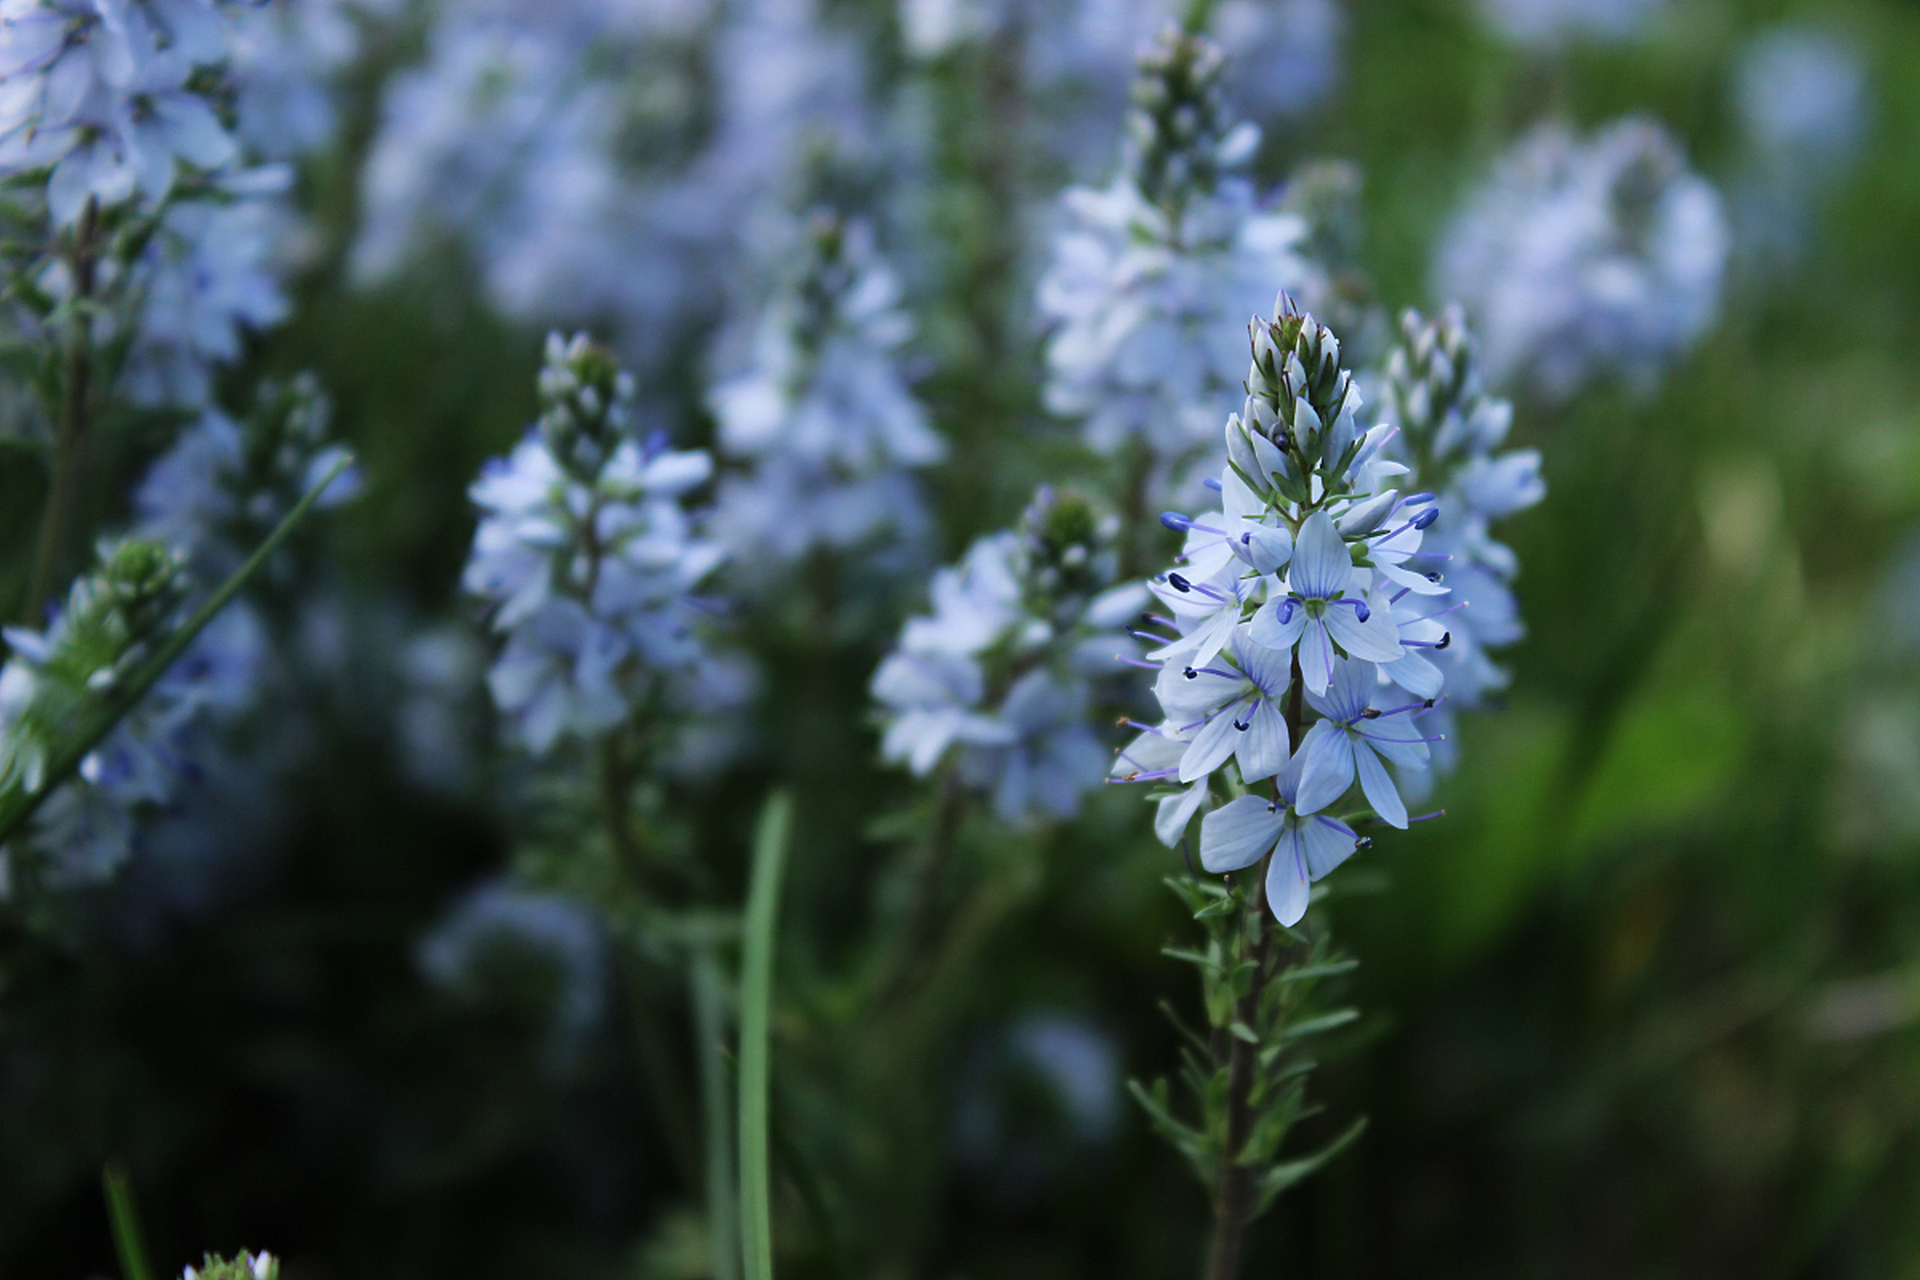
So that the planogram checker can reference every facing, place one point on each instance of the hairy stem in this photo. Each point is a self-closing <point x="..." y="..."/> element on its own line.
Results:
<point x="1234" y="1190"/>
<point x="70" y="439"/>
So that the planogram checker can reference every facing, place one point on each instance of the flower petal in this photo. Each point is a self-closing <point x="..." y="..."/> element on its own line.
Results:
<point x="1263" y="748"/>
<point x="1379" y="788"/>
<point x="1321" y="562"/>
<point x="1316" y="657"/>
<point x="1174" y="812"/>
<point x="1375" y="640"/>
<point x="1327" y="842"/>
<point x="1215" y="741"/>
<point x="1287" y="891"/>
<point x="1267" y="628"/>
<point x="1239" y="834"/>
<point x="1328" y="771"/>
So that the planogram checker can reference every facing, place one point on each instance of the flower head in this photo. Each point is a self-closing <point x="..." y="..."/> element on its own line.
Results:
<point x="586" y="557"/>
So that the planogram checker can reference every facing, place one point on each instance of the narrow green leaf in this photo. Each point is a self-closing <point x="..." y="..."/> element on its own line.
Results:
<point x="1326" y="1022"/>
<point x="18" y="806"/>
<point x="1302" y="973"/>
<point x="709" y="1022"/>
<point x="756" y="1006"/>
<point x="1192" y="957"/>
<point x="1281" y="1176"/>
<point x="126" y="1223"/>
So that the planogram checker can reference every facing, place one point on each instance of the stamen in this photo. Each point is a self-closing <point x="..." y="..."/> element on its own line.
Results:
<point x="1175" y="521"/>
<point x="1142" y="663"/>
<point x="1427" y="817"/>
<point x="1179" y="583"/>
<point x="1212" y="484"/>
<point x="1360" y="609"/>
<point x="1287" y="607"/>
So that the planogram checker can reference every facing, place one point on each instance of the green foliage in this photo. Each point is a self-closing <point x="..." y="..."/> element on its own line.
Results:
<point x="1247" y="953"/>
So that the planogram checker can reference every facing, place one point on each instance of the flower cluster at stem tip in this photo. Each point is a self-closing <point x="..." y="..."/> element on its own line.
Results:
<point x="587" y="557"/>
<point x="1003" y="674"/>
<point x="1151" y="274"/>
<point x="822" y="411"/>
<point x="1305" y="630"/>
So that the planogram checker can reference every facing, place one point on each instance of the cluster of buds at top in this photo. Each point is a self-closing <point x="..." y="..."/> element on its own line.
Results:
<point x="1180" y="135"/>
<point x="113" y="618"/>
<point x="1298" y="422"/>
<point x="586" y="401"/>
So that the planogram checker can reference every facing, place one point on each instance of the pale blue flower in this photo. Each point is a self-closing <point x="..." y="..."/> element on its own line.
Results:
<point x="1151" y="276"/>
<point x="1001" y="679"/>
<point x="97" y="91"/>
<point x="822" y="412"/>
<point x="1355" y="738"/>
<point x="1318" y="610"/>
<point x="587" y="557"/>
<point x="1550" y="23"/>
<point x="1233" y="710"/>
<point x="1304" y="846"/>
<point x="1583" y="256"/>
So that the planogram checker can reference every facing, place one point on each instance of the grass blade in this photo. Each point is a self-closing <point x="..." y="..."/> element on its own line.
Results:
<point x="709" y="1029"/>
<point x="756" y="1004"/>
<point x="126" y="1223"/>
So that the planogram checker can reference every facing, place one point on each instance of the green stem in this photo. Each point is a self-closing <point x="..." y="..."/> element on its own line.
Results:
<point x="756" y="1013"/>
<point x="1233" y="1198"/>
<point x="127" y="1242"/>
<point x="70" y="439"/>
<point x="709" y="1029"/>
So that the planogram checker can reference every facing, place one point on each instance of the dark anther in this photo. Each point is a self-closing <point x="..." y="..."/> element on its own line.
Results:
<point x="1181" y="584"/>
<point x="1426" y="517"/>
<point x="1364" y="842"/>
<point x="1370" y="714"/>
<point x="1191" y="674"/>
<point x="1429" y="705"/>
<point x="1432" y="577"/>
<point x="1243" y="725"/>
<point x="1445" y="640"/>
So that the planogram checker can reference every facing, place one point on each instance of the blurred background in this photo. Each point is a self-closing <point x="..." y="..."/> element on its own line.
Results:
<point x="1646" y="1002"/>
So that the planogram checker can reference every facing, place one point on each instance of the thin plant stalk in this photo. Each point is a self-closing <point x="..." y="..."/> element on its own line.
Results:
<point x="127" y="1241"/>
<point x="756" y="1008"/>
<point x="70" y="438"/>
<point x="709" y="1029"/>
